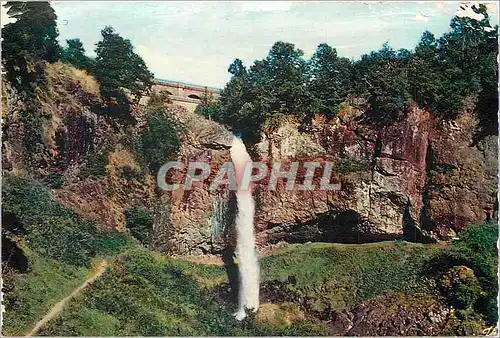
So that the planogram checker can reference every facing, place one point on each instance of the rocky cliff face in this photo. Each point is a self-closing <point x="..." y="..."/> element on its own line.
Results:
<point x="80" y="155"/>
<point x="419" y="179"/>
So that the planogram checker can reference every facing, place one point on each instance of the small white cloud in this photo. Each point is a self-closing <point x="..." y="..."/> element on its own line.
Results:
<point x="491" y="8"/>
<point x="422" y="17"/>
<point x="152" y="58"/>
<point x="466" y="10"/>
<point x="5" y="19"/>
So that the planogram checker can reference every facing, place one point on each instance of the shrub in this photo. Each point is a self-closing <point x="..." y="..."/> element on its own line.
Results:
<point x="159" y="141"/>
<point x="140" y="223"/>
<point x="52" y="230"/>
<point x="461" y="287"/>
<point x="476" y="250"/>
<point x="95" y="165"/>
<point x="158" y="98"/>
<point x="53" y="180"/>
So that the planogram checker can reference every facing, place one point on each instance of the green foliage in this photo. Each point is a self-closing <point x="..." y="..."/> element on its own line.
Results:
<point x="478" y="244"/>
<point x="95" y="164"/>
<point x="53" y="180"/>
<point x="32" y="294"/>
<point x="143" y="296"/>
<point x="140" y="223"/>
<point x="461" y="287"/>
<point x="330" y="78"/>
<point x="382" y="78"/>
<point x="159" y="141"/>
<point x="50" y="229"/>
<point x="26" y="44"/>
<point x="342" y="276"/>
<point x="158" y="99"/>
<point x="150" y="294"/>
<point x="436" y="85"/>
<point x="58" y="244"/>
<point x="33" y="36"/>
<point x="30" y="201"/>
<point x="347" y="165"/>
<point x="441" y="75"/>
<point x="74" y="53"/>
<point x="254" y="100"/>
<point x="476" y="250"/>
<point x="460" y="64"/>
<point x="66" y="240"/>
<point x="209" y="107"/>
<point x="118" y="67"/>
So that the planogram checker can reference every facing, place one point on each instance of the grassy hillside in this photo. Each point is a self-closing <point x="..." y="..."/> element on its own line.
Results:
<point x="59" y="248"/>
<point x="145" y="293"/>
<point x="304" y="288"/>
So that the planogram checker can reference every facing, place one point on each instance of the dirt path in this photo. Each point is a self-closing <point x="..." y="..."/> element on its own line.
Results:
<point x="54" y="311"/>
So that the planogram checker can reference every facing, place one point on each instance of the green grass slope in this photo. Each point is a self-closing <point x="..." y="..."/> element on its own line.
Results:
<point x="150" y="294"/>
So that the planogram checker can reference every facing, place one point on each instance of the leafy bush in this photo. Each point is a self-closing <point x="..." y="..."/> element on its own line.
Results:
<point x="140" y="223"/>
<point x="95" y="165"/>
<point x="476" y="250"/>
<point x="52" y="230"/>
<point x="159" y="141"/>
<point x="478" y="245"/>
<point x="53" y="180"/>
<point x="461" y="287"/>
<point x="158" y="99"/>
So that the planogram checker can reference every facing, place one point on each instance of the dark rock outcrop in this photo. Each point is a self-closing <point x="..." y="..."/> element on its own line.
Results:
<point x="417" y="179"/>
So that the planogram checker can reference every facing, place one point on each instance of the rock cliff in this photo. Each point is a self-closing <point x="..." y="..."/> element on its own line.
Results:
<point x="418" y="179"/>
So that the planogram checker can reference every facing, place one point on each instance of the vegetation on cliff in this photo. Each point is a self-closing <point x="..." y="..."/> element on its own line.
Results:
<point x="306" y="289"/>
<point x="441" y="75"/>
<point x="78" y="158"/>
<point x="145" y="293"/>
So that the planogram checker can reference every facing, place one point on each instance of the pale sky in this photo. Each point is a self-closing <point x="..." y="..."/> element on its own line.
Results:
<point x="195" y="41"/>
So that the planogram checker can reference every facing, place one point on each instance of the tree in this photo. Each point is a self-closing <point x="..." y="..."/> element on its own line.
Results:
<point x="209" y="106"/>
<point x="234" y="96"/>
<point x="32" y="37"/>
<point x="425" y="76"/>
<point x="27" y="44"/>
<point x="255" y="100"/>
<point x="281" y="80"/>
<point x="382" y="78"/>
<point x="330" y="78"/>
<point x="140" y="223"/>
<point x="472" y="46"/>
<point x="74" y="53"/>
<point x="118" y="67"/>
<point x="159" y="141"/>
<point x="458" y="66"/>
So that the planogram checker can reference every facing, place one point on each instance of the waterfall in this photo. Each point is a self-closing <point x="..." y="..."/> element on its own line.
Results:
<point x="248" y="264"/>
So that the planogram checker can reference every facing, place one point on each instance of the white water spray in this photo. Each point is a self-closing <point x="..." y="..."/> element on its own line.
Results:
<point x="248" y="264"/>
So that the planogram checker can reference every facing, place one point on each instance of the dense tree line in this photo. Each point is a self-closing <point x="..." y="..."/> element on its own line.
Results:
<point x="440" y="75"/>
<point x="32" y="40"/>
